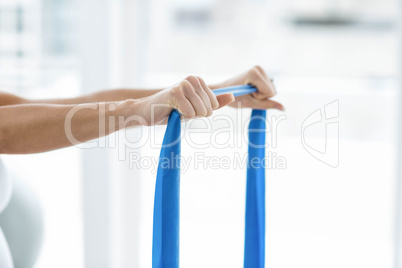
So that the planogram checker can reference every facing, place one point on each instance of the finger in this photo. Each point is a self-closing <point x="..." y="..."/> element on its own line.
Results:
<point x="264" y="86"/>
<point x="271" y="84"/>
<point x="267" y="104"/>
<point x="211" y="95"/>
<point x="184" y="107"/>
<point x="194" y="99"/>
<point x="225" y="99"/>
<point x="268" y="79"/>
<point x="262" y="71"/>
<point x="200" y="91"/>
<point x="204" y="96"/>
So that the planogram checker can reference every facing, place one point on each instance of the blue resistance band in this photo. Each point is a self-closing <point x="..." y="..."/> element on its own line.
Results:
<point x="165" y="247"/>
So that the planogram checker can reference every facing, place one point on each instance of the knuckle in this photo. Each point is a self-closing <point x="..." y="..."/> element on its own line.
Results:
<point x="192" y="79"/>
<point x="214" y="102"/>
<point x="209" y="113"/>
<point x="176" y="92"/>
<point x="200" y="80"/>
<point x="187" y="111"/>
<point x="266" y="91"/>
<point x="185" y="86"/>
<point x="254" y="72"/>
<point x="203" y="112"/>
<point x="184" y="83"/>
<point x="190" y="114"/>
<point x="258" y="68"/>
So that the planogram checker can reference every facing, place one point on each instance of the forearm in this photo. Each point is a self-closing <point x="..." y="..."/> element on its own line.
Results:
<point x="104" y="96"/>
<point x="108" y="96"/>
<point x="34" y="128"/>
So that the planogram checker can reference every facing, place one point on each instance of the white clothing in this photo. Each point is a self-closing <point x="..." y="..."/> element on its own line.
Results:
<point x="5" y="195"/>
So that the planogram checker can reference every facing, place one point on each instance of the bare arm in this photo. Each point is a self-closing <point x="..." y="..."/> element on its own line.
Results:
<point x="101" y="96"/>
<point x="104" y="96"/>
<point x="33" y="128"/>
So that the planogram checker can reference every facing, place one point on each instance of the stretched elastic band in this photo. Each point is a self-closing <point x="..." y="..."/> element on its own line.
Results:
<point x="236" y="90"/>
<point x="166" y="225"/>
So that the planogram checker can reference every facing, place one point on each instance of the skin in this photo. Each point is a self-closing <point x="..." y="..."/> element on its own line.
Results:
<point x="33" y="126"/>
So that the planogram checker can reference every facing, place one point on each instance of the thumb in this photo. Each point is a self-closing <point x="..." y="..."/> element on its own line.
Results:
<point x="225" y="99"/>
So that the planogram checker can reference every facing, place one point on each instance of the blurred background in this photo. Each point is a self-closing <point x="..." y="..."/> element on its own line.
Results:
<point x="98" y="209"/>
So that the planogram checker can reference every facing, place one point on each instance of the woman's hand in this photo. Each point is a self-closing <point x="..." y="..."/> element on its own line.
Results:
<point x="191" y="97"/>
<point x="257" y="77"/>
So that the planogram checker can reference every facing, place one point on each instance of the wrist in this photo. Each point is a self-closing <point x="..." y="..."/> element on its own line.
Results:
<point x="127" y="113"/>
<point x="149" y="92"/>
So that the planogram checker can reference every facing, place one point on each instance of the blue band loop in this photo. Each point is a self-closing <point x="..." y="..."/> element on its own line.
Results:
<point x="254" y="242"/>
<point x="165" y="247"/>
<point x="235" y="90"/>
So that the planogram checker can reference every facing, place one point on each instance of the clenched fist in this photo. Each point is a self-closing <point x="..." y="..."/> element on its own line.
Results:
<point x="261" y="99"/>
<point x="191" y="97"/>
